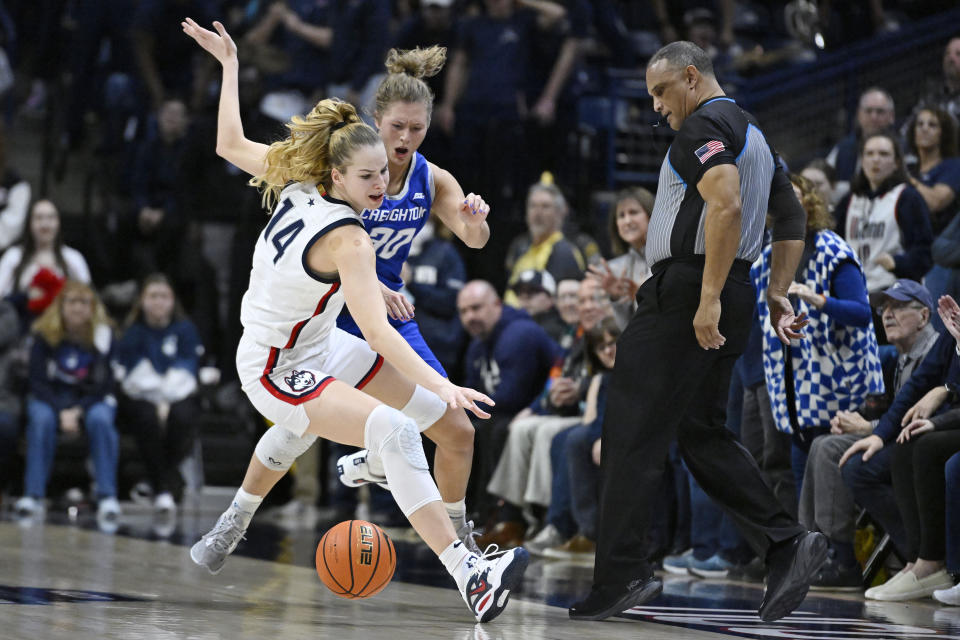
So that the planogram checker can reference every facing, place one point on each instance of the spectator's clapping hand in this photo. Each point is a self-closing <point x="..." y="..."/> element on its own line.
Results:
<point x="949" y="312"/>
<point x="849" y="422"/>
<point x="617" y="287"/>
<point x="885" y="260"/>
<point x="926" y="406"/>
<point x="563" y="392"/>
<point x="70" y="420"/>
<point x="220" y="45"/>
<point x="444" y="117"/>
<point x="398" y="307"/>
<point x="545" y="110"/>
<point x="869" y="445"/>
<point x="914" y="429"/>
<point x="806" y="294"/>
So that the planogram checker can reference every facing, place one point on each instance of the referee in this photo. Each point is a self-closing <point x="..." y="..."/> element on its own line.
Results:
<point x="675" y="357"/>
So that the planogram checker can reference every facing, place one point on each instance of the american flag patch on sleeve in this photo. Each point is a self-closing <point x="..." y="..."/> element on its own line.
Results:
<point x="710" y="149"/>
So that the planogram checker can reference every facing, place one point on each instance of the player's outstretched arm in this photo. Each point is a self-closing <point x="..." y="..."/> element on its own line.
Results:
<point x="351" y="253"/>
<point x="232" y="145"/>
<point x="464" y="215"/>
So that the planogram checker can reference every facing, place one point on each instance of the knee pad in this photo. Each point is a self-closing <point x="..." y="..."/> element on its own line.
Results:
<point x="279" y="447"/>
<point x="396" y="440"/>
<point x="424" y="407"/>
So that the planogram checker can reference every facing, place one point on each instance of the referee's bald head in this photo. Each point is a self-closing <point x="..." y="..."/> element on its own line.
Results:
<point x="682" y="54"/>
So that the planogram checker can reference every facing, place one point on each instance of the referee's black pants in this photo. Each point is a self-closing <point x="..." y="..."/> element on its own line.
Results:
<point x="665" y="386"/>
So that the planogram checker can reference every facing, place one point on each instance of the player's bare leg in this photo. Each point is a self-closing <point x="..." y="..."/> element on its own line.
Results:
<point x="346" y="415"/>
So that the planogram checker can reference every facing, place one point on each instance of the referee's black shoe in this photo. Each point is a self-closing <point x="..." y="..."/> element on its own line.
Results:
<point x="607" y="601"/>
<point x="792" y="566"/>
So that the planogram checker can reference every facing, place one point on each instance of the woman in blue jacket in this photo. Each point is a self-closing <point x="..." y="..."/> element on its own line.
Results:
<point x="70" y="390"/>
<point x="157" y="360"/>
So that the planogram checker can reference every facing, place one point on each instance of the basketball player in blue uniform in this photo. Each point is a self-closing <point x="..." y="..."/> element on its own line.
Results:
<point x="416" y="188"/>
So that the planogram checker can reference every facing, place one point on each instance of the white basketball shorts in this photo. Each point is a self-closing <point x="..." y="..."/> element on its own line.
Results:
<point x="279" y="381"/>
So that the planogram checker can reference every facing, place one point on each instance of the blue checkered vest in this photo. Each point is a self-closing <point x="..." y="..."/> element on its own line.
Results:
<point x="836" y="366"/>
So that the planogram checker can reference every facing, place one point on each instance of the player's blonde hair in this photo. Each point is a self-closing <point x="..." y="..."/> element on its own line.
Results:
<point x="405" y="73"/>
<point x="324" y="139"/>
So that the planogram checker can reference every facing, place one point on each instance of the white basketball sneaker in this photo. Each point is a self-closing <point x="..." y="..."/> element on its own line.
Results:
<point x="354" y="470"/>
<point x="212" y="549"/>
<point x="488" y="587"/>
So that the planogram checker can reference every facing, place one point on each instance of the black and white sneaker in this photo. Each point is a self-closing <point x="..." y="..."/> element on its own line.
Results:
<point x="488" y="588"/>
<point x="354" y="470"/>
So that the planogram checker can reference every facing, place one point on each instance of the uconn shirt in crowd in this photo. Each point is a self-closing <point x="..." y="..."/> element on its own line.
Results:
<point x="717" y="132"/>
<point x="393" y="226"/>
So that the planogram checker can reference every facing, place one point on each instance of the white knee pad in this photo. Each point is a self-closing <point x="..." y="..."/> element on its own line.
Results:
<point x="425" y="408"/>
<point x="279" y="447"/>
<point x="395" y="439"/>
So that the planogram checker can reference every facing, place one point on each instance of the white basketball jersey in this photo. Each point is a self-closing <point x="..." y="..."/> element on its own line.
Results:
<point x="287" y="304"/>
<point x="872" y="229"/>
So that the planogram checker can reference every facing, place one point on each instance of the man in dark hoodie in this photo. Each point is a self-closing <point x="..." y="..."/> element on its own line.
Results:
<point x="509" y="358"/>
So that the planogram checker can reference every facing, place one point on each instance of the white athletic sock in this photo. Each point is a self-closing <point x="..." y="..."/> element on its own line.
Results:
<point x="454" y="558"/>
<point x="246" y="504"/>
<point x="457" y="512"/>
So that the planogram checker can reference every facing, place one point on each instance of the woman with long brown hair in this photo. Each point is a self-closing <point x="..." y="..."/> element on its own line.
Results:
<point x="33" y="271"/>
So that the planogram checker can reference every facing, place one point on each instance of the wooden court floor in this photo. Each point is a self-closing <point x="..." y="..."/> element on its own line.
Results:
<point x="62" y="579"/>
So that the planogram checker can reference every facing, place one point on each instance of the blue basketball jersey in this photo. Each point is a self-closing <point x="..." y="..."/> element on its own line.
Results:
<point x="399" y="218"/>
<point x="393" y="226"/>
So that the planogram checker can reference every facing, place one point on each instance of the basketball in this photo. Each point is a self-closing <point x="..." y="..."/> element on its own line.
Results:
<point x="355" y="559"/>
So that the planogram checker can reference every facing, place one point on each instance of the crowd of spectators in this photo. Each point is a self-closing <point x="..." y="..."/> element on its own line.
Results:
<point x="860" y="415"/>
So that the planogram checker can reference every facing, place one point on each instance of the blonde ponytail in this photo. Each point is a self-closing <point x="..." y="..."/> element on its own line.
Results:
<point x="404" y="80"/>
<point x="323" y="139"/>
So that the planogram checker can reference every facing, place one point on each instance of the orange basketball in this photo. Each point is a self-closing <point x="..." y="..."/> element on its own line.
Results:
<point x="355" y="559"/>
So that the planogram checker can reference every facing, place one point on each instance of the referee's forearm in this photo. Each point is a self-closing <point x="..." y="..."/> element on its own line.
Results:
<point x="721" y="241"/>
<point x="785" y="257"/>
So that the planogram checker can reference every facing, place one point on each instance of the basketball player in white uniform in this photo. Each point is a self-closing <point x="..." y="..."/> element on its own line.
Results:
<point x="303" y="373"/>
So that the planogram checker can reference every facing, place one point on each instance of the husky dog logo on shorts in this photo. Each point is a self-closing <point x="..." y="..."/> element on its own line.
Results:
<point x="300" y="380"/>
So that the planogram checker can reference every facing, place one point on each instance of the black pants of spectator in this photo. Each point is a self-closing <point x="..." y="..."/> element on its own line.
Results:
<point x="162" y="447"/>
<point x="9" y="434"/>
<point x="870" y="483"/>
<point x="769" y="446"/>
<point x="666" y="387"/>
<point x="919" y="483"/>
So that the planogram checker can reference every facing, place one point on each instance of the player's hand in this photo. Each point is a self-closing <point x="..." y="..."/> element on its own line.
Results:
<point x="914" y="429"/>
<point x="926" y="406"/>
<point x="595" y="452"/>
<point x="706" y="324"/>
<point x="473" y="210"/>
<point x="220" y="45"/>
<point x="398" y="307"/>
<point x="465" y="397"/>
<point x="869" y="445"/>
<point x="787" y="325"/>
